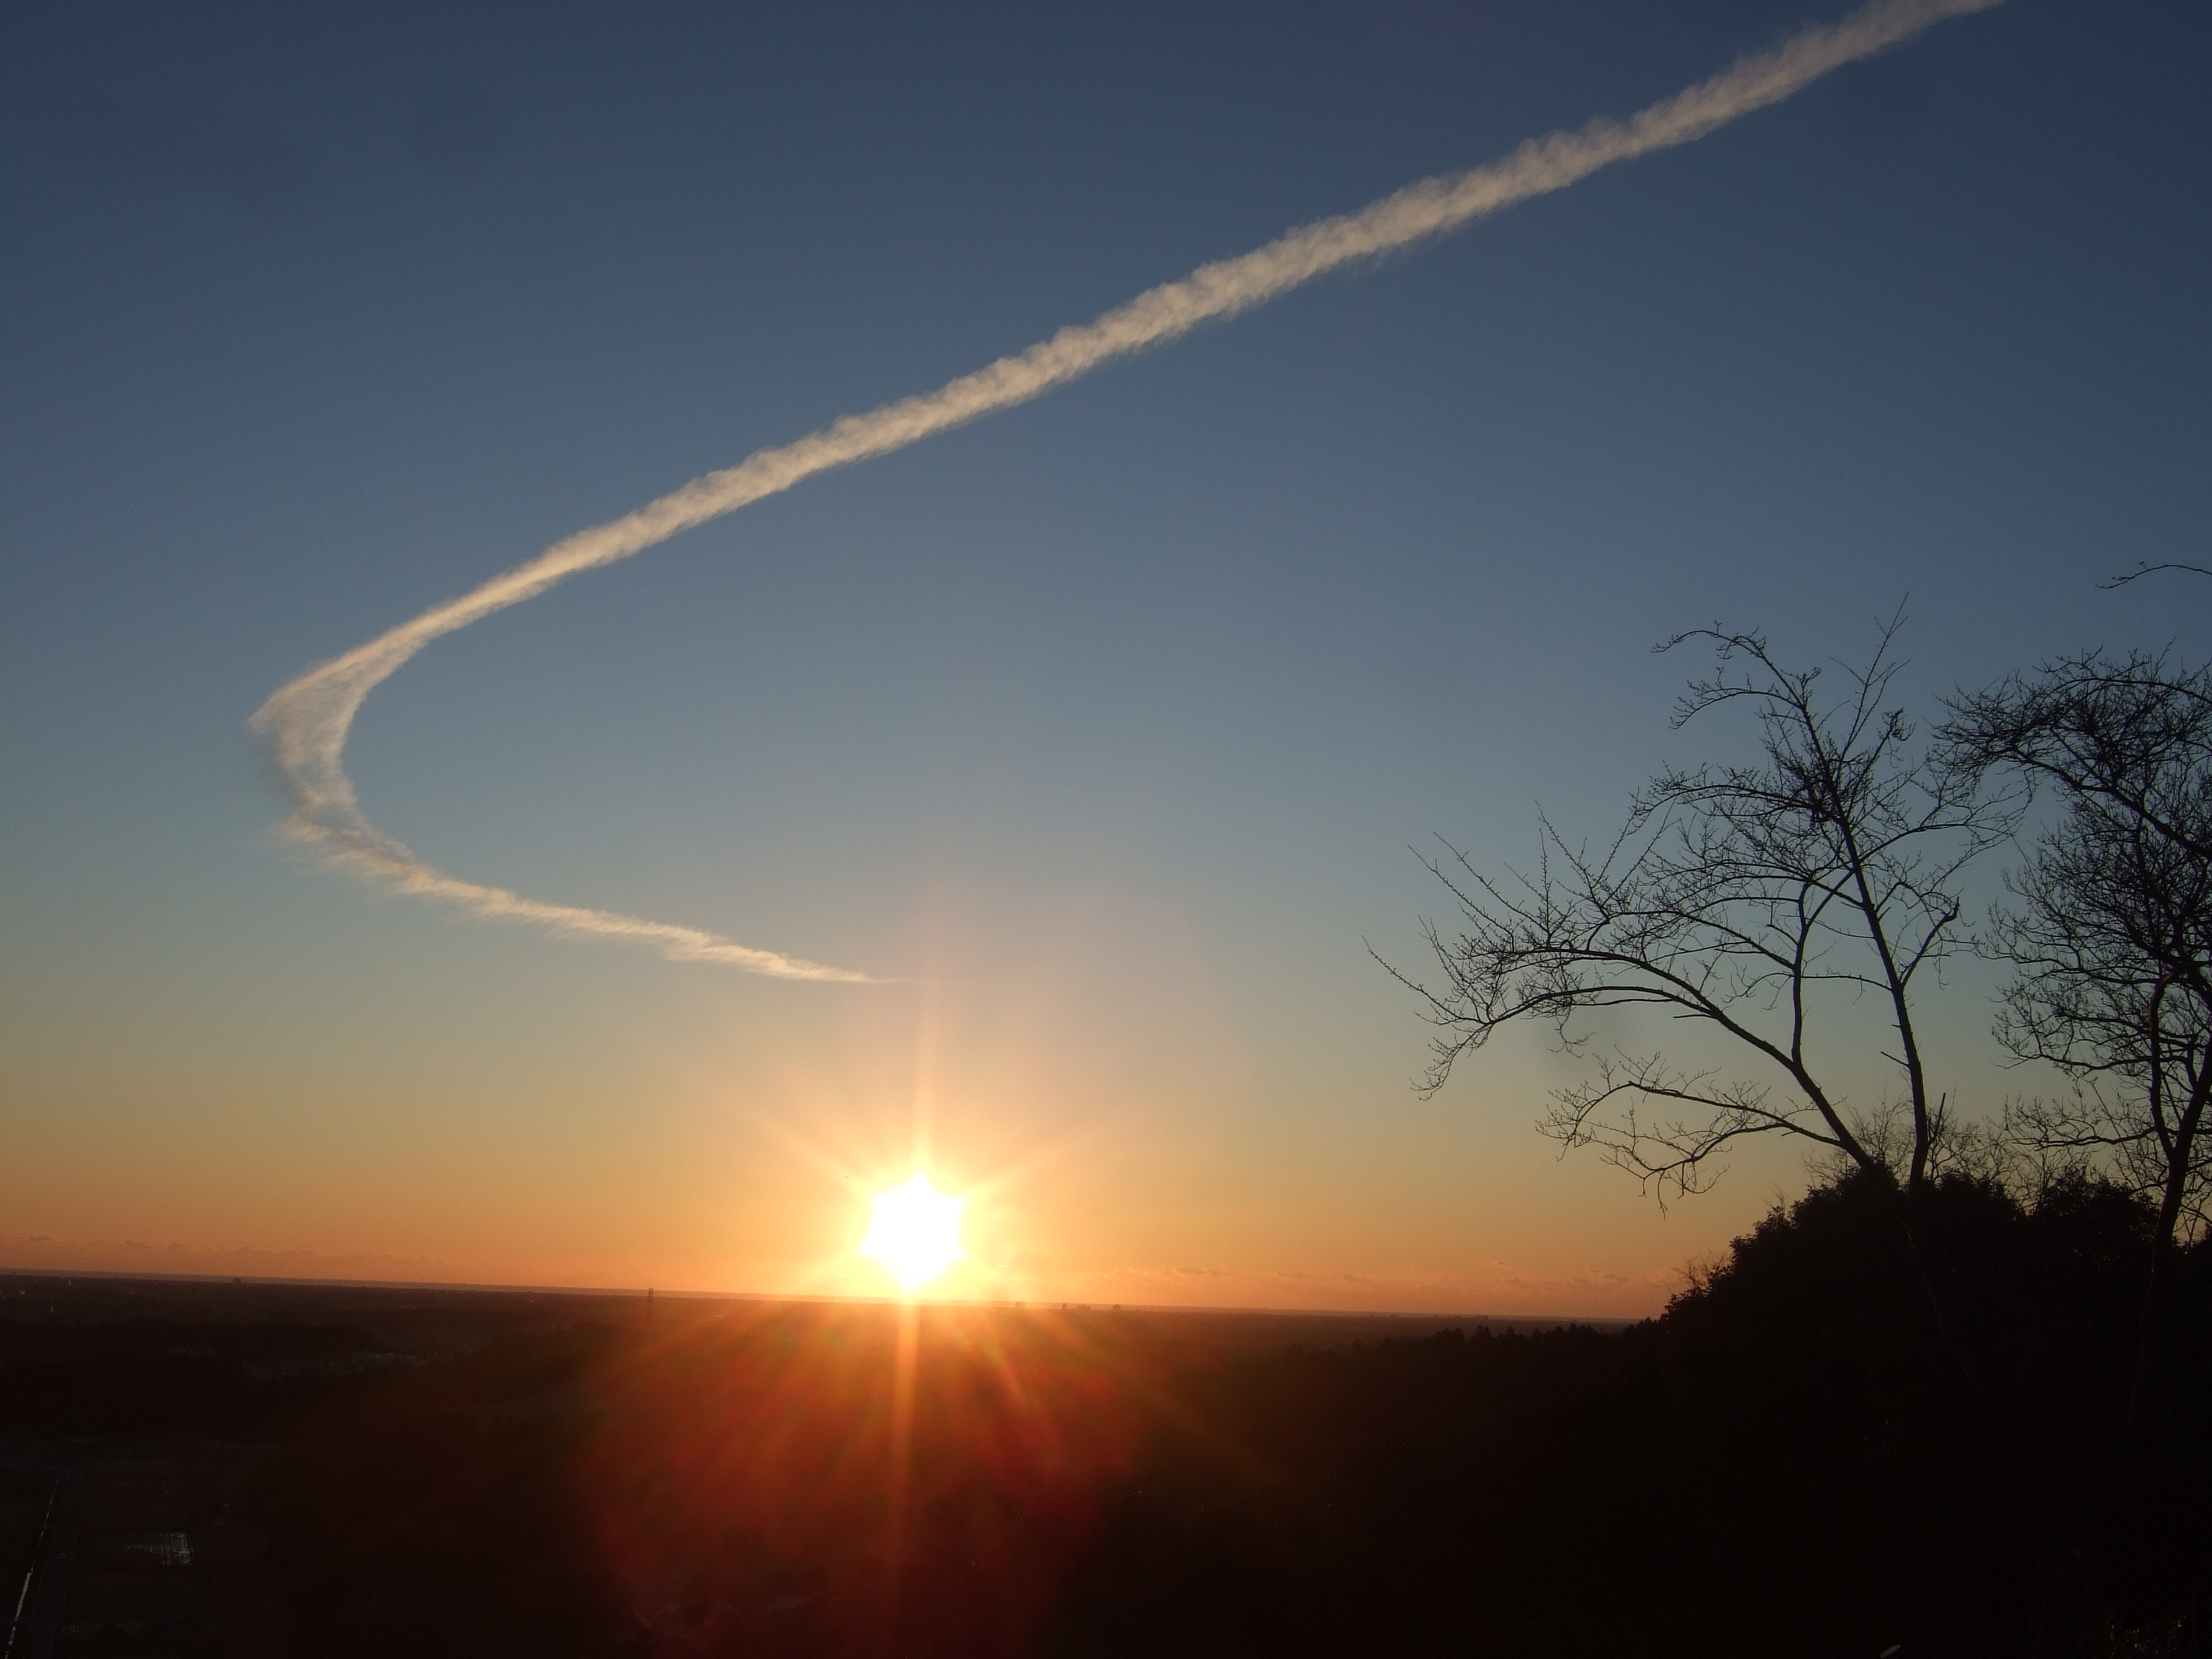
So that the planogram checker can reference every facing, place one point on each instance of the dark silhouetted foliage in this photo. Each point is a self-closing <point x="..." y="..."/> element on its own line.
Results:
<point x="1801" y="1457"/>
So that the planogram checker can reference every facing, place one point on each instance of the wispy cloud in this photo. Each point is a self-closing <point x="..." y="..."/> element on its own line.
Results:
<point x="307" y="721"/>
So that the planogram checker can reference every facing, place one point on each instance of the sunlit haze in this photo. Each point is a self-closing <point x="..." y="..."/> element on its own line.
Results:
<point x="1026" y="780"/>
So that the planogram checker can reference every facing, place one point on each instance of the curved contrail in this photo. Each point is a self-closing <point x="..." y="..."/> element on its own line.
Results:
<point x="306" y="721"/>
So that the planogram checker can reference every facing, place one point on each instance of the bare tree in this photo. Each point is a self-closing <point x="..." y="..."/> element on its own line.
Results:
<point x="1747" y="900"/>
<point x="2110" y="933"/>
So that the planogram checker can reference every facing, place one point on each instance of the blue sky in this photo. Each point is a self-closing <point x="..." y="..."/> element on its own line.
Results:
<point x="1114" y="715"/>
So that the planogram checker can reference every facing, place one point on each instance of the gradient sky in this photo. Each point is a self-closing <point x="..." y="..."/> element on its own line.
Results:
<point x="1107" y="724"/>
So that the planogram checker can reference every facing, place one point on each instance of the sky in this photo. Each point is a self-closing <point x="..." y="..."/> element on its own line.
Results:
<point x="1102" y="733"/>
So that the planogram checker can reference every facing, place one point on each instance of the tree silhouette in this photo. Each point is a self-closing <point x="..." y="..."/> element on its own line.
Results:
<point x="2110" y="933"/>
<point x="1743" y="899"/>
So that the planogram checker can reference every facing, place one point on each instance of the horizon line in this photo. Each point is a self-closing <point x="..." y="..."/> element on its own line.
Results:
<point x="641" y="1293"/>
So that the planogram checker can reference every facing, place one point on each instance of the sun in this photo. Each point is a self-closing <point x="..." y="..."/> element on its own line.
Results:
<point x="916" y="1232"/>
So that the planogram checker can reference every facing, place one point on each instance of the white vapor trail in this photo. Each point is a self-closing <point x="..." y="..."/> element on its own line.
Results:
<point x="307" y="721"/>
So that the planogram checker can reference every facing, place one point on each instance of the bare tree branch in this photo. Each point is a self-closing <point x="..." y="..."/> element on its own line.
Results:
<point x="1736" y="898"/>
<point x="2148" y="569"/>
<point x="2110" y="934"/>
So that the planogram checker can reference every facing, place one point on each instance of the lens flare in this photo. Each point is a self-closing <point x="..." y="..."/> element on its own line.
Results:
<point x="916" y="1232"/>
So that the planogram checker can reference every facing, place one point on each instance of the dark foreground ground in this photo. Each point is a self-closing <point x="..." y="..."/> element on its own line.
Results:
<point x="1798" y="1459"/>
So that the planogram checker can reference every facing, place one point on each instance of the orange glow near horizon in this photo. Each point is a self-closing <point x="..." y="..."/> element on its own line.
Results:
<point x="915" y="1232"/>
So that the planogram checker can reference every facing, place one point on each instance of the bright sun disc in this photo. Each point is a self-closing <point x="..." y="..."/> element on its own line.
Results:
<point x="916" y="1232"/>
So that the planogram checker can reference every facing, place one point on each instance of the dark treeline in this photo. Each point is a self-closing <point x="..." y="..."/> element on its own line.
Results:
<point x="1792" y="1461"/>
<point x="1801" y="1457"/>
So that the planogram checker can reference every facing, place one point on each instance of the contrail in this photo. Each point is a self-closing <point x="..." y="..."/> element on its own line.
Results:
<point x="306" y="722"/>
